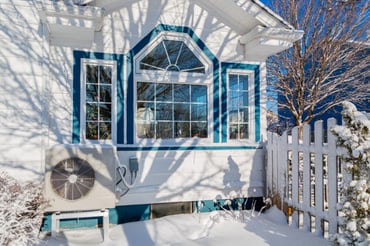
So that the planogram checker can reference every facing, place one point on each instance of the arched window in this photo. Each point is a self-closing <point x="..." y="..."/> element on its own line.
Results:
<point x="172" y="55"/>
<point x="168" y="104"/>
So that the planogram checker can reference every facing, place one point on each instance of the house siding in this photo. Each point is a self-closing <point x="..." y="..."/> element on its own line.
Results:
<point x="41" y="101"/>
<point x="22" y="90"/>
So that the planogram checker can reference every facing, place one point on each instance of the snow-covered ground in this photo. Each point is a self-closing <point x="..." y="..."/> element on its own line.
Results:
<point x="214" y="228"/>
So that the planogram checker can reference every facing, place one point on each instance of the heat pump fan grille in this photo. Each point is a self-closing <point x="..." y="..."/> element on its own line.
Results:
<point x="72" y="178"/>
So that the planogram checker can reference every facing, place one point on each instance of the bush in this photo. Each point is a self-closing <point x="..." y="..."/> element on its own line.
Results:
<point x="354" y="207"/>
<point x="21" y="211"/>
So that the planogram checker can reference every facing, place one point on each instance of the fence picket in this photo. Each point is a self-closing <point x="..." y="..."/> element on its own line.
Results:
<point x="283" y="166"/>
<point x="332" y="179"/>
<point x="295" y="171"/>
<point x="319" y="196"/>
<point x="306" y="174"/>
<point x="270" y="148"/>
<point x="311" y="161"/>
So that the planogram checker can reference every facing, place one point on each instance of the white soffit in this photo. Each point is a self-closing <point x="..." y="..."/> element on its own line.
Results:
<point x="263" y="42"/>
<point x="262" y="32"/>
<point x="70" y="23"/>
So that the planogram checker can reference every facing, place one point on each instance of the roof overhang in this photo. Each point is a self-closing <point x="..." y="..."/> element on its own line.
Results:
<point x="261" y="31"/>
<point x="69" y="23"/>
<point x="262" y="42"/>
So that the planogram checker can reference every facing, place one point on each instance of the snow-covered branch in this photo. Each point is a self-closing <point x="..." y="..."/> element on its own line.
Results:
<point x="354" y="206"/>
<point x="21" y="211"/>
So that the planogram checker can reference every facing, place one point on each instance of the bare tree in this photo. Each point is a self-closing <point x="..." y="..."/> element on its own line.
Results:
<point x="329" y="65"/>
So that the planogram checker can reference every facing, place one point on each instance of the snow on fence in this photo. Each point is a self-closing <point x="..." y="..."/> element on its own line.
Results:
<point x="304" y="176"/>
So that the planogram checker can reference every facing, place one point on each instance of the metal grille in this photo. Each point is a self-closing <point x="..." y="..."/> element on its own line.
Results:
<point x="72" y="178"/>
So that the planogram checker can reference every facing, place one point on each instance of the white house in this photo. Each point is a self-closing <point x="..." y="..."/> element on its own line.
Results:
<point x="174" y="88"/>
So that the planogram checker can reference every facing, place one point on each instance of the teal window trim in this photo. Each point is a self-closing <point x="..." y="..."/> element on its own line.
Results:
<point x="185" y="148"/>
<point x="130" y="77"/>
<point x="256" y="69"/>
<point x="76" y="94"/>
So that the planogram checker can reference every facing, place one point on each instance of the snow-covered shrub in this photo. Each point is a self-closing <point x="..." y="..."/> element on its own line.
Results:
<point x="354" y="206"/>
<point x="21" y="211"/>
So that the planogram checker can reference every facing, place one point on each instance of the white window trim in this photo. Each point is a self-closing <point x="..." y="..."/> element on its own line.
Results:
<point x="251" y="98"/>
<point x="179" y="76"/>
<point x="97" y="62"/>
<point x="176" y="78"/>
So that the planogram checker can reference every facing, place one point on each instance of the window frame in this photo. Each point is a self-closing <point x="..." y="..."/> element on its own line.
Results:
<point x="181" y="78"/>
<point x="251" y="104"/>
<point x="98" y="62"/>
<point x="173" y="103"/>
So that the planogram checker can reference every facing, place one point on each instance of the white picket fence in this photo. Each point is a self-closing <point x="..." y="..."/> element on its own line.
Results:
<point x="306" y="175"/>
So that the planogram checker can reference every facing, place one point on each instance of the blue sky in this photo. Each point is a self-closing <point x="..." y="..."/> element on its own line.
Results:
<point x="266" y="2"/>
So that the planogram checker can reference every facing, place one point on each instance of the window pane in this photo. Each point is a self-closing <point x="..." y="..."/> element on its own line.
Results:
<point x="243" y="97"/>
<point x="145" y="91"/>
<point x="182" y="112"/>
<point x="233" y="82"/>
<point x="105" y="93"/>
<point x="91" y="74"/>
<point x="189" y="62"/>
<point x="199" y="93"/>
<point x="91" y="111"/>
<point x="243" y="82"/>
<point x="145" y="130"/>
<point x="164" y="92"/>
<point x="198" y="112"/>
<point x="243" y="131"/>
<point x="199" y="130"/>
<point x="91" y="130"/>
<point x="243" y="115"/>
<point x="105" y="131"/>
<point x="233" y="131"/>
<point x="173" y="49"/>
<point x="181" y="93"/>
<point x="164" y="130"/>
<point x="92" y="93"/>
<point x="164" y="111"/>
<point x="156" y="59"/>
<point x="105" y="75"/>
<point x="145" y="112"/>
<point x="233" y="99"/>
<point x="233" y="116"/>
<point x="182" y="129"/>
<point x="105" y="112"/>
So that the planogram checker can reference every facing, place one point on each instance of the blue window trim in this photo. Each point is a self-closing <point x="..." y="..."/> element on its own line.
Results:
<point x="76" y="95"/>
<point x="257" y="113"/>
<point x="219" y="88"/>
<point x="130" y="77"/>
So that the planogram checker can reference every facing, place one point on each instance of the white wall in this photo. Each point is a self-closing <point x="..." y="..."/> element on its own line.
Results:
<point x="168" y="176"/>
<point x="36" y="101"/>
<point x="22" y="101"/>
<point x="125" y="27"/>
<point x="60" y="95"/>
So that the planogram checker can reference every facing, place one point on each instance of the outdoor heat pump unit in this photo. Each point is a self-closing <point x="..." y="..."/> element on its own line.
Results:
<point x="80" y="178"/>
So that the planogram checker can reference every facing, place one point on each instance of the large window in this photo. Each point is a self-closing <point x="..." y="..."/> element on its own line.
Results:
<point x="171" y="91"/>
<point x="239" y="105"/>
<point x="167" y="110"/>
<point x="97" y="101"/>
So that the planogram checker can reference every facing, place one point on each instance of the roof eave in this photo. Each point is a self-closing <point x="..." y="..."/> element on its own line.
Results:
<point x="262" y="42"/>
